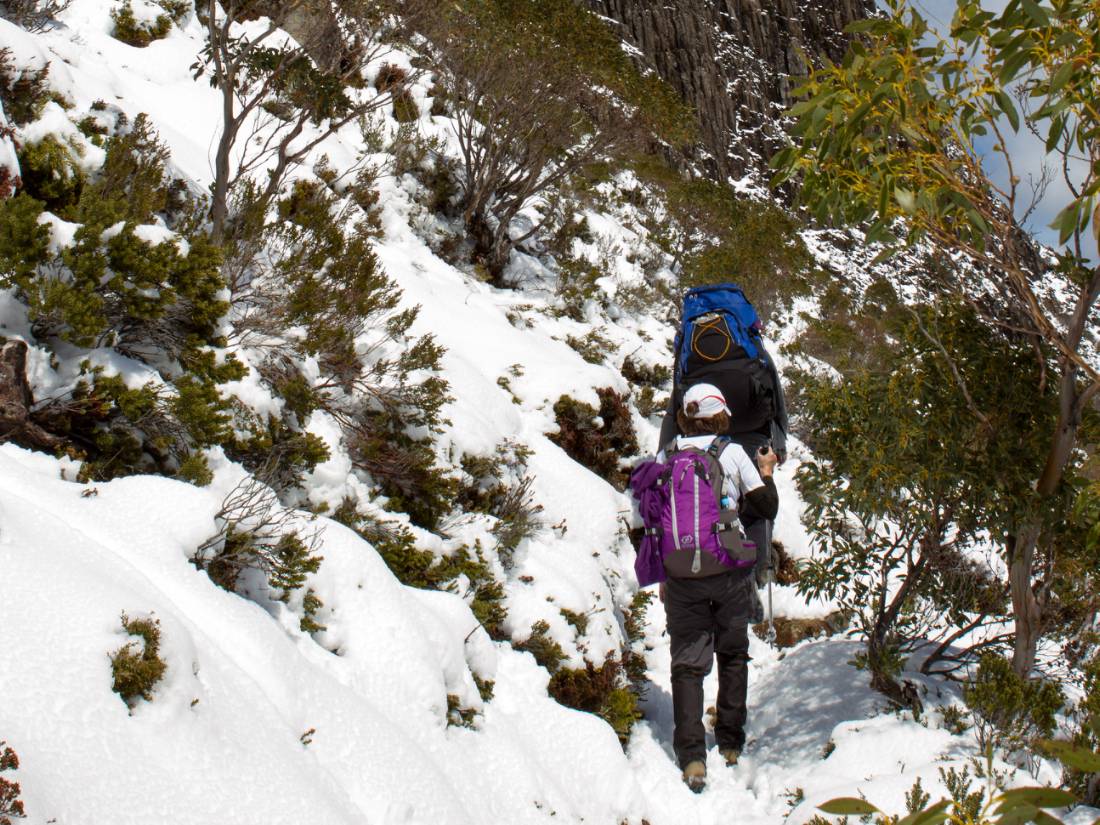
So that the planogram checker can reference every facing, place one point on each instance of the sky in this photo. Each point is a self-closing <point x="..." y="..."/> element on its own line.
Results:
<point x="1027" y="151"/>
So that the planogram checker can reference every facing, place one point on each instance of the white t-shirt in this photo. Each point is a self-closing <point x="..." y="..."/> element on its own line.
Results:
<point x="740" y="473"/>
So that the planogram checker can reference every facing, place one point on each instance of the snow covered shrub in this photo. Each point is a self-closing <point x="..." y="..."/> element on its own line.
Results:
<point x="1010" y="712"/>
<point x="656" y="376"/>
<point x="256" y="533"/>
<point x="158" y="301"/>
<point x="51" y="175"/>
<point x="32" y="15"/>
<point x="599" y="439"/>
<point x="604" y="691"/>
<point x="634" y="622"/>
<point x="421" y="568"/>
<point x="137" y="666"/>
<point x="543" y="647"/>
<point x="276" y="450"/>
<point x="23" y="92"/>
<point x="458" y="716"/>
<point x="594" y="347"/>
<point x="322" y="295"/>
<point x="138" y="33"/>
<point x="500" y="486"/>
<point x="11" y="807"/>
<point x="577" y="285"/>
<point x="119" y="430"/>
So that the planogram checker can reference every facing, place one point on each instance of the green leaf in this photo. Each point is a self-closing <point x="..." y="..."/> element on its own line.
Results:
<point x="1037" y="14"/>
<point x="1036" y="798"/>
<point x="848" y="806"/>
<point x="933" y="815"/>
<point x="1071" y="755"/>
<point x="1004" y="102"/>
<point x="1061" y="77"/>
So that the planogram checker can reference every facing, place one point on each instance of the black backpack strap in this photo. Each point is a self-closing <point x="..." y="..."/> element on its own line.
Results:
<point x="718" y="446"/>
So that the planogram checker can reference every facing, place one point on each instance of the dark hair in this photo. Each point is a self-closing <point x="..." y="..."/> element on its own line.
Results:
<point x="715" y="425"/>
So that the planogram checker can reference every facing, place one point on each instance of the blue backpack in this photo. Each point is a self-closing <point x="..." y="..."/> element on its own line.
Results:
<point x="719" y="343"/>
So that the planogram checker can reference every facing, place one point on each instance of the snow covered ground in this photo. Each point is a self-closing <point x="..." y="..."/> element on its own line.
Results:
<point x="258" y="722"/>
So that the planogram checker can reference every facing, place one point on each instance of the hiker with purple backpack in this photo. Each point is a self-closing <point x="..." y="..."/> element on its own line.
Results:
<point x="688" y="498"/>
<point x="696" y="499"/>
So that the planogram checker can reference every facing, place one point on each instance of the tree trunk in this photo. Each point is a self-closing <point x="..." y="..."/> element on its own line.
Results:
<point x="16" y="400"/>
<point x="1026" y="610"/>
<point x="1025" y="607"/>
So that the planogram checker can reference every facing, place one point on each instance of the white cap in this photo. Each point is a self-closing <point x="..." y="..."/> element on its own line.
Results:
<point x="708" y="397"/>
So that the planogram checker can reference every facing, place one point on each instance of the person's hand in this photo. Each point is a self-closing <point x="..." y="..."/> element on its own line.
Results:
<point x="661" y="592"/>
<point x="766" y="459"/>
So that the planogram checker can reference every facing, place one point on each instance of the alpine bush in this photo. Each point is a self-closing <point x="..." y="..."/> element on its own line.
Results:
<point x="1010" y="712"/>
<point x="598" y="439"/>
<point x="421" y="568"/>
<point x="23" y="92"/>
<point x="137" y="666"/>
<point x="34" y="16"/>
<point x="50" y="174"/>
<point x="501" y="487"/>
<point x="604" y="691"/>
<point x="11" y="806"/>
<point x="322" y="295"/>
<point x="138" y="33"/>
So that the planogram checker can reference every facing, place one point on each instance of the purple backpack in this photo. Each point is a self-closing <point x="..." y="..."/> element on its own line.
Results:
<point x="689" y="534"/>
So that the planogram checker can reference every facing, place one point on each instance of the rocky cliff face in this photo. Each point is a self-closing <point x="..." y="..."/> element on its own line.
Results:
<point x="734" y="61"/>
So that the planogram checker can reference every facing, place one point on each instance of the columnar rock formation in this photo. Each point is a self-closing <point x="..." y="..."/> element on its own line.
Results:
<point x="734" y="61"/>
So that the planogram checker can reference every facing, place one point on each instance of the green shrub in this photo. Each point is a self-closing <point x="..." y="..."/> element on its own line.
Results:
<point x="601" y="445"/>
<point x="177" y="9"/>
<point x="599" y="690"/>
<point x="132" y="184"/>
<point x="405" y="107"/>
<point x="117" y="430"/>
<point x="137" y="33"/>
<point x="415" y="567"/>
<point x="50" y="174"/>
<point x="1011" y="712"/>
<point x="633" y="659"/>
<point x="325" y="282"/>
<point x="137" y="666"/>
<point x="539" y="644"/>
<point x="276" y="452"/>
<point x="655" y="376"/>
<point x="24" y="93"/>
<point x="500" y="486"/>
<point x="458" y="716"/>
<point x="11" y="806"/>
<point x="594" y="347"/>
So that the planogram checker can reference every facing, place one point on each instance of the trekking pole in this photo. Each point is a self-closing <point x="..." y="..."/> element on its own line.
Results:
<point x="771" y="615"/>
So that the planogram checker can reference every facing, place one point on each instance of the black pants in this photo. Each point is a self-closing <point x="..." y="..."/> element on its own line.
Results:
<point x="708" y="616"/>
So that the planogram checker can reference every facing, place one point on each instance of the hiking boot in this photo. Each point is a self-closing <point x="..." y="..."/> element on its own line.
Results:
<point x="695" y="775"/>
<point x="731" y="755"/>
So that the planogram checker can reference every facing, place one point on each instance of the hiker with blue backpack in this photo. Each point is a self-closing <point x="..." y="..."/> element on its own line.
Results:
<point x="688" y="499"/>
<point x="720" y="343"/>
